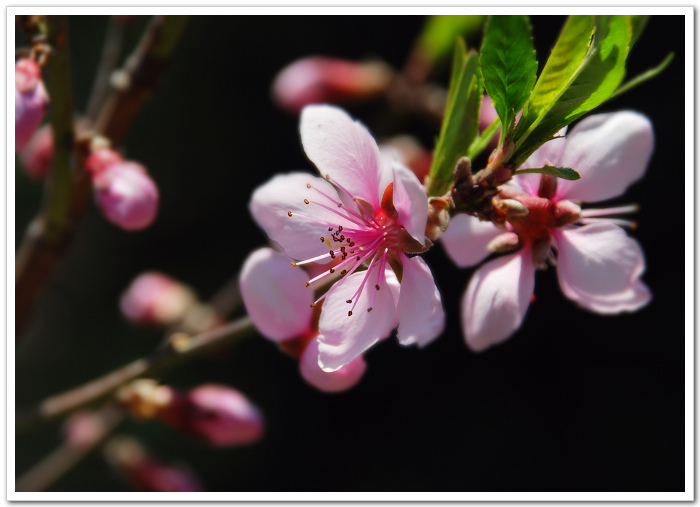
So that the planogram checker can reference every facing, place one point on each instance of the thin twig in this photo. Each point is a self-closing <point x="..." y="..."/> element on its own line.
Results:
<point x="64" y="458"/>
<point x="161" y="361"/>
<point x="67" y="455"/>
<point x="139" y="77"/>
<point x="108" y="62"/>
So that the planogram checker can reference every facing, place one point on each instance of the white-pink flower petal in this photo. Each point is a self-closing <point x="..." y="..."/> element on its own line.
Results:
<point x="410" y="202"/>
<point x="421" y="316"/>
<point x="275" y="295"/>
<point x="300" y="237"/>
<point x="344" y="150"/>
<point x="466" y="238"/>
<point x="599" y="268"/>
<point x="497" y="298"/>
<point x="342" y="338"/>
<point x="610" y="152"/>
<point x="330" y="382"/>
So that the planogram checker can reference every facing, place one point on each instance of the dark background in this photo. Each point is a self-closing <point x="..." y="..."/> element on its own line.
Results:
<point x="573" y="402"/>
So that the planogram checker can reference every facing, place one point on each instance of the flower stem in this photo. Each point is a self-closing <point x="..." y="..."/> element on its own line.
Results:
<point x="177" y="350"/>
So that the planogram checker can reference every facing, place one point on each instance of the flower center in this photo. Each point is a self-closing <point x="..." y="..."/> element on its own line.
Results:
<point x="541" y="218"/>
<point x="361" y="236"/>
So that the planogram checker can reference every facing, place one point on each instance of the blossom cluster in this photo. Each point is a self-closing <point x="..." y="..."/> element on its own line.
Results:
<point x="349" y="270"/>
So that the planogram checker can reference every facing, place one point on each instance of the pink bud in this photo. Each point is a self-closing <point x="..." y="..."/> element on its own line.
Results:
<point x="30" y="101"/>
<point x="317" y="80"/>
<point x="330" y="382"/>
<point x="100" y="159"/>
<point x="144" y="472"/>
<point x="153" y="476"/>
<point x="126" y="195"/>
<point x="83" y="429"/>
<point x="217" y="414"/>
<point x="36" y="156"/>
<point x="156" y="299"/>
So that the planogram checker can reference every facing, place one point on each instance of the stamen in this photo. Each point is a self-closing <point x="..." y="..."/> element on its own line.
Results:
<point x="350" y="313"/>
<point x="631" y="224"/>
<point x="358" y="292"/>
<point x="306" y="201"/>
<point x="364" y="215"/>
<point x="369" y="309"/>
<point x="289" y="213"/>
<point x="339" y="204"/>
<point x="332" y="210"/>
<point x="307" y="284"/>
<point x="620" y="210"/>
<point x="380" y="272"/>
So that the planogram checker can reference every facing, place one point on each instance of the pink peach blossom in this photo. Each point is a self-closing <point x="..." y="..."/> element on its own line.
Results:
<point x="367" y="211"/>
<point x="598" y="265"/>
<point x="278" y="302"/>
<point x="31" y="99"/>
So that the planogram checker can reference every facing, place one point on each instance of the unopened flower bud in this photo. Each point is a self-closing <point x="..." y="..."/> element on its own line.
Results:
<point x="37" y="154"/>
<point x="330" y="382"/>
<point x="156" y="299"/>
<point x="504" y="242"/>
<point x="316" y="80"/>
<point x="126" y="195"/>
<point x="144" y="472"/>
<point x="217" y="414"/>
<point x="30" y="101"/>
<point x="100" y="159"/>
<point x="83" y="429"/>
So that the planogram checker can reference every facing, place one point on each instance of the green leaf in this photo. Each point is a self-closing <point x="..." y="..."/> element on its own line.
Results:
<point x="439" y="34"/>
<point x="637" y="25"/>
<point x="644" y="76"/>
<point x="565" y="173"/>
<point x="562" y="67"/>
<point x="508" y="65"/>
<point x="594" y="82"/>
<point x="461" y="122"/>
